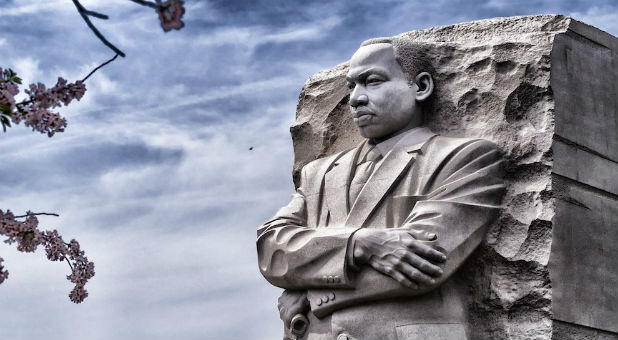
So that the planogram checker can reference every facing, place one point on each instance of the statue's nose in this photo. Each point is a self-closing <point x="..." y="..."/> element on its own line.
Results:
<point x="357" y="97"/>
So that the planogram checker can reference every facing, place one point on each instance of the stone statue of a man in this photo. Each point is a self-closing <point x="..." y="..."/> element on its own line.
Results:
<point x="366" y="247"/>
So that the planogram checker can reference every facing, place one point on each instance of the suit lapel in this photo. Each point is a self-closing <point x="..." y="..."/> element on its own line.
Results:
<point x="393" y="167"/>
<point x="337" y="183"/>
<point x="377" y="186"/>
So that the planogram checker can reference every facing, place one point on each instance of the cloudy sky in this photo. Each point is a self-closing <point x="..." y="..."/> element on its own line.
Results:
<point x="154" y="175"/>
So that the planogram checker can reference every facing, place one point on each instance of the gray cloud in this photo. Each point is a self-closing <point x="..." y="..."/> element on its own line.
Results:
<point x="80" y="163"/>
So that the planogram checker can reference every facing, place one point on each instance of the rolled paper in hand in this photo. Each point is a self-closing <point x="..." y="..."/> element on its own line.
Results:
<point x="299" y="325"/>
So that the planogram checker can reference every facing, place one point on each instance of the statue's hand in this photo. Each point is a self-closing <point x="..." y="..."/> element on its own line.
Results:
<point x="292" y="302"/>
<point x="398" y="254"/>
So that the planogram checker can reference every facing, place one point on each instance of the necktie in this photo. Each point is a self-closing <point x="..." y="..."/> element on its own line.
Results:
<point x="364" y="169"/>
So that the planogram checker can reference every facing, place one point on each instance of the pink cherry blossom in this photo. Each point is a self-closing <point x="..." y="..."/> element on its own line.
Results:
<point x="170" y="13"/>
<point x="3" y="273"/>
<point x="7" y="99"/>
<point x="12" y="88"/>
<point x="28" y="237"/>
<point x="78" y="294"/>
<point x="35" y="112"/>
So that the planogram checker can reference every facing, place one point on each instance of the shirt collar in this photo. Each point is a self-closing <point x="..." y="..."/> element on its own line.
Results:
<point x="413" y="136"/>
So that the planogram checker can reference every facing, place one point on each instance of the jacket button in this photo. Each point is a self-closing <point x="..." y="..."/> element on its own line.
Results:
<point x="343" y="336"/>
<point x="319" y="302"/>
<point x="331" y="296"/>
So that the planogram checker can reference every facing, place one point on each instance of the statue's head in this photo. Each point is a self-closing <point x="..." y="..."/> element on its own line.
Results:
<point x="390" y="82"/>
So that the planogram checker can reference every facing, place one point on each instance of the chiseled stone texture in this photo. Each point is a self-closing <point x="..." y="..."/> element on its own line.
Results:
<point x="493" y="81"/>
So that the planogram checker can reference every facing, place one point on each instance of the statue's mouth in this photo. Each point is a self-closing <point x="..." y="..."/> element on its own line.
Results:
<point x="362" y="119"/>
<point x="361" y="111"/>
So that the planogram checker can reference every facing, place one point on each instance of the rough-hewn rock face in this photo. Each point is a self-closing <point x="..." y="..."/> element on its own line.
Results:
<point x="493" y="81"/>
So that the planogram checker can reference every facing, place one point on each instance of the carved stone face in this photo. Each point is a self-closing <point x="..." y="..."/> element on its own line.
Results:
<point x="381" y="99"/>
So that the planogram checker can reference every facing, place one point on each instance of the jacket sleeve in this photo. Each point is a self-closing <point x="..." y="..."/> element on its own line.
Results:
<point x="292" y="255"/>
<point x="463" y="196"/>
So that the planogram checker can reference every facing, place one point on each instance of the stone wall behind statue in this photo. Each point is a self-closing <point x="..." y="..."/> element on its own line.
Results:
<point x="543" y="88"/>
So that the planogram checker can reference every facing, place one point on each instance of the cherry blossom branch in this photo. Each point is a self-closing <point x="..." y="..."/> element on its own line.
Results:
<point x="85" y="13"/>
<point x="29" y="101"/>
<point x="67" y="260"/>
<point x="98" y="67"/>
<point x="28" y="237"/>
<point x="146" y="3"/>
<point x="170" y="14"/>
<point x="95" y="14"/>
<point x="34" y="110"/>
<point x="34" y="214"/>
<point x="35" y="113"/>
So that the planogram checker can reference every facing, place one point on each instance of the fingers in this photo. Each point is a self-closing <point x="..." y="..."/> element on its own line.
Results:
<point x="422" y="264"/>
<point x="413" y="273"/>
<point x="422" y="235"/>
<point x="409" y="270"/>
<point x="393" y="273"/>
<point x="402" y="272"/>
<point x="425" y="251"/>
<point x="399" y="255"/>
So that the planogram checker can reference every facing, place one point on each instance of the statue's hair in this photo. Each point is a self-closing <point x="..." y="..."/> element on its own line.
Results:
<point x="411" y="56"/>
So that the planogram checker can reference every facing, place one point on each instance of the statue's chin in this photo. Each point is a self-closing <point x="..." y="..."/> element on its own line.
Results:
<point x="372" y="132"/>
<point x="368" y="131"/>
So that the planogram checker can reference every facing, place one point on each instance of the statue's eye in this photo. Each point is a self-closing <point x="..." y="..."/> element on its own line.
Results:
<point x="351" y="85"/>
<point x="374" y="80"/>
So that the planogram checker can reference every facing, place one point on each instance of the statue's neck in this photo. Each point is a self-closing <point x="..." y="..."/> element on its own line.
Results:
<point x="413" y="124"/>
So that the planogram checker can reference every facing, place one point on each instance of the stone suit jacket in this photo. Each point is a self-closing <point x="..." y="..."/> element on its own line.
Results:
<point x="451" y="187"/>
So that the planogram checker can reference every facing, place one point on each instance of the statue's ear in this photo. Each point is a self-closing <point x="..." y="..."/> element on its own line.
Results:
<point x="424" y="86"/>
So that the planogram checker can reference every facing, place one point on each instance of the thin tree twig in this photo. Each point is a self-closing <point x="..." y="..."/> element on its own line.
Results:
<point x="69" y="263"/>
<point x="41" y="213"/>
<point x="146" y="3"/>
<point x="24" y="102"/>
<point x="98" y="67"/>
<point x="84" y="13"/>
<point x="96" y="14"/>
